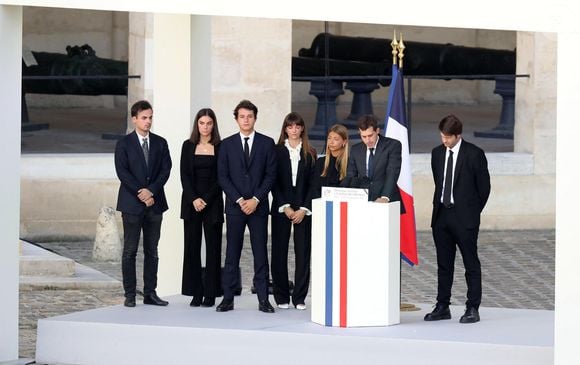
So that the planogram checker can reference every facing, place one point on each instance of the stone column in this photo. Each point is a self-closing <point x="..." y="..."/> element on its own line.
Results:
<point x="10" y="90"/>
<point x="201" y="65"/>
<point x="251" y="59"/>
<point x="170" y="73"/>
<point x="535" y="125"/>
<point x="119" y="44"/>
<point x="140" y="60"/>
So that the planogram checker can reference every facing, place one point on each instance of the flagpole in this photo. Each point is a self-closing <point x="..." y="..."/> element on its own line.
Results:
<point x="398" y="53"/>
<point x="401" y="53"/>
<point x="326" y="78"/>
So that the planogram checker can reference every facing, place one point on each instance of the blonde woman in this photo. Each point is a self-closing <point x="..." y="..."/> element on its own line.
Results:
<point x="330" y="169"/>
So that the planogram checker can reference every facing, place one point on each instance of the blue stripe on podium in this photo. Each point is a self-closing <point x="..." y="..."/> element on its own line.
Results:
<point x="328" y="281"/>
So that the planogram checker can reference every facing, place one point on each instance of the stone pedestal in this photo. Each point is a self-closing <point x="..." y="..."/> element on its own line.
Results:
<point x="107" y="246"/>
<point x="362" y="103"/>
<point x="506" y="88"/>
<point x="326" y="93"/>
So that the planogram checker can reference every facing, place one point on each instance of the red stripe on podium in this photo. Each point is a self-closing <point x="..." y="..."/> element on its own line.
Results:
<point x="343" y="261"/>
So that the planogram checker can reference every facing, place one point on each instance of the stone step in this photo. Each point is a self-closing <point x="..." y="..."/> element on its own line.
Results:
<point x="41" y="269"/>
<point x="38" y="262"/>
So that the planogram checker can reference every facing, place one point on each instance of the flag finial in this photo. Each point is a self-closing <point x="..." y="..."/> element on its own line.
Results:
<point x="394" y="46"/>
<point x="401" y="47"/>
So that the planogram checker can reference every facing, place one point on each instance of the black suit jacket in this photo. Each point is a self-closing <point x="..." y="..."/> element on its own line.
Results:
<point x="471" y="183"/>
<point x="386" y="169"/>
<point x="213" y="196"/>
<point x="283" y="192"/>
<point x="134" y="173"/>
<point x="240" y="181"/>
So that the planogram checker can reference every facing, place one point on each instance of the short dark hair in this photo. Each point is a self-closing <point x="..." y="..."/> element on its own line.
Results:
<point x="366" y="121"/>
<point x="139" y="107"/>
<point x="246" y="104"/>
<point x="451" y="126"/>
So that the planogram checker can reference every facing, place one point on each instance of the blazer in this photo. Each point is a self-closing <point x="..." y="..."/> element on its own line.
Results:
<point x="214" y="211"/>
<point x="317" y="181"/>
<point x="240" y="181"/>
<point x="471" y="183"/>
<point x="386" y="169"/>
<point x="135" y="174"/>
<point x="283" y="192"/>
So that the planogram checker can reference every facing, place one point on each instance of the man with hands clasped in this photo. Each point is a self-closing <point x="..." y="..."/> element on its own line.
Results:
<point x="143" y="164"/>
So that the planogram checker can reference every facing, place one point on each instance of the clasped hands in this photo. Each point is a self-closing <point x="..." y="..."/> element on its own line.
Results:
<point x="146" y="197"/>
<point x="296" y="216"/>
<point x="199" y="204"/>
<point x="248" y="206"/>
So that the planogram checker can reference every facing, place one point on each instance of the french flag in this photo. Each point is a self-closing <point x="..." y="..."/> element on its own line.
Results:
<point x="397" y="128"/>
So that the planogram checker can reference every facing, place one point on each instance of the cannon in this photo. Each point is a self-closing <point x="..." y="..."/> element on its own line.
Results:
<point x="364" y="63"/>
<point x="78" y="72"/>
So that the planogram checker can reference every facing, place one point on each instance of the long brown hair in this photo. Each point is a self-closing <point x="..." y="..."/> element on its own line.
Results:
<point x="342" y="159"/>
<point x="291" y="119"/>
<point x="215" y="133"/>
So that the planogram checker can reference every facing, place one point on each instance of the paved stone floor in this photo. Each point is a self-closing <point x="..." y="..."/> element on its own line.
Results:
<point x="518" y="272"/>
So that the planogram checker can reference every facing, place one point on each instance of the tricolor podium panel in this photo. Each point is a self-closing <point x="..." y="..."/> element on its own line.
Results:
<point x="355" y="263"/>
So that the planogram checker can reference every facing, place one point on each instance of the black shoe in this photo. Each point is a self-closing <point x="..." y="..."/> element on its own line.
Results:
<point x="265" y="306"/>
<point x="440" y="312"/>
<point x="471" y="316"/>
<point x="130" y="302"/>
<point x="208" y="302"/>
<point x="225" y="305"/>
<point x="153" y="299"/>
<point x="195" y="302"/>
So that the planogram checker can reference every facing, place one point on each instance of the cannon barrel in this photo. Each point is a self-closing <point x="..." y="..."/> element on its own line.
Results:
<point x="365" y="61"/>
<point x="420" y="58"/>
<point x="79" y="72"/>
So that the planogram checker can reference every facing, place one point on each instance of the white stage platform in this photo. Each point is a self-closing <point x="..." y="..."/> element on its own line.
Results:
<point x="179" y="334"/>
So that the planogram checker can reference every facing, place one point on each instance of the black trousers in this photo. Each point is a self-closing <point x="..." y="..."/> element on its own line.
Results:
<point x="150" y="223"/>
<point x="449" y="234"/>
<point x="281" y="230"/>
<point x="192" y="283"/>
<point x="235" y="226"/>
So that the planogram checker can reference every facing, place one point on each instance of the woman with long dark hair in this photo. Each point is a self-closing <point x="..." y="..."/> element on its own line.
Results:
<point x="202" y="209"/>
<point x="291" y="207"/>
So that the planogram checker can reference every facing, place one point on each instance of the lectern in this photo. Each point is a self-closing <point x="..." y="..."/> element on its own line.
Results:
<point x="355" y="262"/>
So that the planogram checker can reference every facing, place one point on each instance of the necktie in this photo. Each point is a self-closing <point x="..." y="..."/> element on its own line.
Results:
<point x="448" y="181"/>
<point x="370" y="164"/>
<point x="145" y="147"/>
<point x="246" y="150"/>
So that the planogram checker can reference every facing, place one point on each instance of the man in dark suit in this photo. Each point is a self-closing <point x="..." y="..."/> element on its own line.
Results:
<point x="246" y="173"/>
<point x="462" y="187"/>
<point x="143" y="165"/>
<point x="374" y="163"/>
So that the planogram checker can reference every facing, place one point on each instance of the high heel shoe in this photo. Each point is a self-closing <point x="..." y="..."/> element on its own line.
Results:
<point x="208" y="302"/>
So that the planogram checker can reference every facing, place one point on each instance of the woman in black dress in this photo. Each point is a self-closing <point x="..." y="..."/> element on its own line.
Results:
<point x="291" y="205"/>
<point x="330" y="169"/>
<point x="201" y="207"/>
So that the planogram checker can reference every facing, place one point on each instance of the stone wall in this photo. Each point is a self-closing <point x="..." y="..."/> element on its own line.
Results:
<point x="61" y="197"/>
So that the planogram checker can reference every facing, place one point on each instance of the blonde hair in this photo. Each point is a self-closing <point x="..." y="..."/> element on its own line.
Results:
<point x="342" y="158"/>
